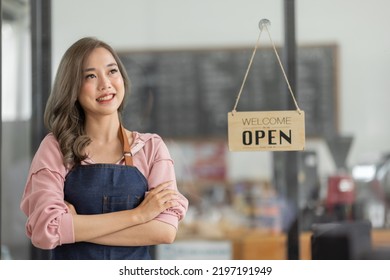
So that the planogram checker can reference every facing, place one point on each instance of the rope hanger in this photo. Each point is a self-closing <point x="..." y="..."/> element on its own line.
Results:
<point x="263" y="24"/>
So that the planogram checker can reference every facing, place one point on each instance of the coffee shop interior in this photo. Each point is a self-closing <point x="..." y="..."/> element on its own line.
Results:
<point x="186" y="61"/>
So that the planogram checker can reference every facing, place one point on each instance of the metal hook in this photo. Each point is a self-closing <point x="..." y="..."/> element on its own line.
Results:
<point x="264" y="23"/>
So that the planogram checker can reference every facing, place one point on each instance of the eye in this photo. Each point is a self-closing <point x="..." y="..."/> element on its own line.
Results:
<point x="90" y="76"/>
<point x="114" y="71"/>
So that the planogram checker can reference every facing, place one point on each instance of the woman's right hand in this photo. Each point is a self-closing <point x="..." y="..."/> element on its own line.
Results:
<point x="158" y="200"/>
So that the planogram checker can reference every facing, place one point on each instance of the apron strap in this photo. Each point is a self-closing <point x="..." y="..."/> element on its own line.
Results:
<point x="126" y="146"/>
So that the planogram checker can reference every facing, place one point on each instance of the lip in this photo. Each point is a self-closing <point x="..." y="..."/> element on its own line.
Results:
<point x="105" y="97"/>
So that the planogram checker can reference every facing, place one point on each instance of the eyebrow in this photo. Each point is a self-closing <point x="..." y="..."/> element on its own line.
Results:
<point x="92" y="69"/>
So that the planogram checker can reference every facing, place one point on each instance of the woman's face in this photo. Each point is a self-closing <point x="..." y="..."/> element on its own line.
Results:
<point x="102" y="90"/>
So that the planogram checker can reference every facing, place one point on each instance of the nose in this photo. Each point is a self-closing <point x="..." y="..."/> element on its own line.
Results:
<point x="104" y="82"/>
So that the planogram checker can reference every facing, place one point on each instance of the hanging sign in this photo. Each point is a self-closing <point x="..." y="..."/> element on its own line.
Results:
<point x="266" y="131"/>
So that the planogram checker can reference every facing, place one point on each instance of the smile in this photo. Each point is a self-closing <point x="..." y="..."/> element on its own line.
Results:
<point x="105" y="98"/>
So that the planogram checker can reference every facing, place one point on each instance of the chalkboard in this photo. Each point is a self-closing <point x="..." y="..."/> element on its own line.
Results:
<point x="188" y="93"/>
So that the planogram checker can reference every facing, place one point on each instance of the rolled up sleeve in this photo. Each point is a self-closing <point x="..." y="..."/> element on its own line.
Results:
<point x="49" y="223"/>
<point x="164" y="171"/>
<point x="161" y="169"/>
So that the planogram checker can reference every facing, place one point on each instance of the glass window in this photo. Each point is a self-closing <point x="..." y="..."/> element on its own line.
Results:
<point x="16" y="114"/>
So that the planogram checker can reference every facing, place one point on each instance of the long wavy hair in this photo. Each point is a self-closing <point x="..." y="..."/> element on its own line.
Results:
<point x="64" y="116"/>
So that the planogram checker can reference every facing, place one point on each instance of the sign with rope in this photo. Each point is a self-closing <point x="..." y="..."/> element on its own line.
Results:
<point x="266" y="130"/>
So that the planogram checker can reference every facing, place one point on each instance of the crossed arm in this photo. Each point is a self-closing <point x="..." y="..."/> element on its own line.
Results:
<point x="50" y="222"/>
<point x="135" y="227"/>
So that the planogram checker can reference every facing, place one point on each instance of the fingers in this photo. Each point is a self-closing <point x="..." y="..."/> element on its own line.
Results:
<point x="163" y="196"/>
<point x="162" y="190"/>
<point x="68" y="204"/>
<point x="71" y="208"/>
<point x="160" y="198"/>
<point x="162" y="186"/>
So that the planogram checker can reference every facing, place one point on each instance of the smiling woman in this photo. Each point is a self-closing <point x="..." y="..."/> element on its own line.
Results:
<point x="102" y="88"/>
<point x="96" y="190"/>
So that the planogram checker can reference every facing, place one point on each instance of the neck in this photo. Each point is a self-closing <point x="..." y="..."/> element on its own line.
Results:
<point x="104" y="129"/>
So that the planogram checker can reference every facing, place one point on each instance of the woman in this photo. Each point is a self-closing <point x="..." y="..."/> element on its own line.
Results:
<point x="96" y="190"/>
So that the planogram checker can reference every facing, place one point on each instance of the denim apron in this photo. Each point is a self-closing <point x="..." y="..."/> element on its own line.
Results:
<point x="104" y="188"/>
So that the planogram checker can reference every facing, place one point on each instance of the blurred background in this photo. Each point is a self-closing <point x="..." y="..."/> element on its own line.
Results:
<point x="186" y="60"/>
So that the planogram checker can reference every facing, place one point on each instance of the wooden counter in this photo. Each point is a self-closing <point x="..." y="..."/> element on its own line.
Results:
<point x="269" y="246"/>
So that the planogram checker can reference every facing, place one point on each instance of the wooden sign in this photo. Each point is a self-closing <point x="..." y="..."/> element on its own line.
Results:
<point x="266" y="131"/>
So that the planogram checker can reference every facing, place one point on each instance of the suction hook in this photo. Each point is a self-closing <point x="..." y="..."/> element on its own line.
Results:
<point x="264" y="23"/>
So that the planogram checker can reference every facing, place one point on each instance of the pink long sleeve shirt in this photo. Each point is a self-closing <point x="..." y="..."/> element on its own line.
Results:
<point x="49" y="222"/>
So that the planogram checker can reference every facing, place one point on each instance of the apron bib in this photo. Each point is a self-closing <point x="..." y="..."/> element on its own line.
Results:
<point x="104" y="188"/>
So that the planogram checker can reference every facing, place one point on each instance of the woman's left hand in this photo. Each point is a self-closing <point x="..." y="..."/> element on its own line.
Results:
<point x="71" y="208"/>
